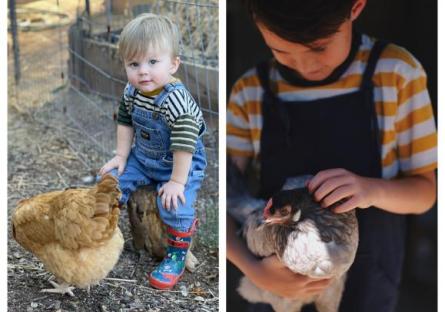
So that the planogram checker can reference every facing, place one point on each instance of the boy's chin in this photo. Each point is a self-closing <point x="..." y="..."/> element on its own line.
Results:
<point x="148" y="89"/>
<point x="315" y="76"/>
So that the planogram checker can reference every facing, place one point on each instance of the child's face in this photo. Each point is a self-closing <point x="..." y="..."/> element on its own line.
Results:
<point x="316" y="62"/>
<point x="151" y="71"/>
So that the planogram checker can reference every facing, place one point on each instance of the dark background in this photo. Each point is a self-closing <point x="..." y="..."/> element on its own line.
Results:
<point x="412" y="25"/>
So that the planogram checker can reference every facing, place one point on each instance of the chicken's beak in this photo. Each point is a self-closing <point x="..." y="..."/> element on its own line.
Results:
<point x="21" y="201"/>
<point x="275" y="220"/>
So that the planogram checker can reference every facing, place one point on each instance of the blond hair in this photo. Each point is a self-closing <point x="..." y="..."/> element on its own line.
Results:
<point x="148" y="32"/>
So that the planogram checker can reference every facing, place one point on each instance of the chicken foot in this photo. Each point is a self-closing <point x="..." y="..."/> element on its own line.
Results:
<point x="191" y="262"/>
<point x="62" y="288"/>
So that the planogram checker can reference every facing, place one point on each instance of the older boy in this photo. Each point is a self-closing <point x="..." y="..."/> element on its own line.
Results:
<point x="354" y="112"/>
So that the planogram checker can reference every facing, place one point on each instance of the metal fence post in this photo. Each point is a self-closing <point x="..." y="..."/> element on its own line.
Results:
<point x="15" y="40"/>
<point x="87" y="7"/>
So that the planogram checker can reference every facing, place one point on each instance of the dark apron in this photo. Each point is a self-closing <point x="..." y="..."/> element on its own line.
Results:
<point x="304" y="137"/>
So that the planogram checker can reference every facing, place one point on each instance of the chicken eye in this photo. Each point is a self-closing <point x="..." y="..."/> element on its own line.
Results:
<point x="285" y="211"/>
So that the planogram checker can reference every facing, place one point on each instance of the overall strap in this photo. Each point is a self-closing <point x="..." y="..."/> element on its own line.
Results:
<point x="129" y="90"/>
<point x="373" y="58"/>
<point x="168" y="88"/>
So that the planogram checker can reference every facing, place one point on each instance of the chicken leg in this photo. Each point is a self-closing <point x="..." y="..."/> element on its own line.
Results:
<point x="62" y="288"/>
<point x="191" y="263"/>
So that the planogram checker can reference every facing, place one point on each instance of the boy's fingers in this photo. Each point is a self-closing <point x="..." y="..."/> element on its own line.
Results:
<point x="168" y="201"/>
<point x="349" y="204"/>
<point x="322" y="176"/>
<point x="175" y="202"/>
<point x="340" y="193"/>
<point x="182" y="198"/>
<point x="103" y="171"/>
<point x="315" y="284"/>
<point x="273" y="262"/>
<point x="164" y="202"/>
<point x="314" y="291"/>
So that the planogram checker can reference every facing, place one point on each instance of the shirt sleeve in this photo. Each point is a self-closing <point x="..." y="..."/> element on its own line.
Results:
<point x="415" y="125"/>
<point x="185" y="117"/>
<point x="184" y="134"/>
<point x="239" y="140"/>
<point x="124" y="116"/>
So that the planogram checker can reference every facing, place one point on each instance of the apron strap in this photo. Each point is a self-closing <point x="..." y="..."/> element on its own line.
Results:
<point x="263" y="75"/>
<point x="263" y="70"/>
<point x="367" y="84"/>
<point x="373" y="58"/>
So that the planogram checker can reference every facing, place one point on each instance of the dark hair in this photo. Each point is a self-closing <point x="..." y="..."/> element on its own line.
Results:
<point x="301" y="21"/>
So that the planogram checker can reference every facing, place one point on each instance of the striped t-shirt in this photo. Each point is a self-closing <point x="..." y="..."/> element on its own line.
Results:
<point x="403" y="106"/>
<point x="182" y="113"/>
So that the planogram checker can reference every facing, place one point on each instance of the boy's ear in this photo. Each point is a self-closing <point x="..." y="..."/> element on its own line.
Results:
<point x="175" y="65"/>
<point x="357" y="8"/>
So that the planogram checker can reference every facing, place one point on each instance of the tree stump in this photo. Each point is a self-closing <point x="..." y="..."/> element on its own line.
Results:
<point x="147" y="228"/>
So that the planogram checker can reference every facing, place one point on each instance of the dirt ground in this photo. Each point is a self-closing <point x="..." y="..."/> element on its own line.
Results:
<point x="41" y="158"/>
<point x="40" y="161"/>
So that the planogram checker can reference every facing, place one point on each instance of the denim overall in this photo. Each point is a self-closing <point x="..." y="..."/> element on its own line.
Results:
<point x="304" y="137"/>
<point x="151" y="161"/>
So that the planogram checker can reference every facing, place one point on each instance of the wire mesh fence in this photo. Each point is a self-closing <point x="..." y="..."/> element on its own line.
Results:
<point x="72" y="72"/>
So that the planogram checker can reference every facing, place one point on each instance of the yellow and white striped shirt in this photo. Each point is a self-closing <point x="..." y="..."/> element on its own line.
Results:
<point x="403" y="106"/>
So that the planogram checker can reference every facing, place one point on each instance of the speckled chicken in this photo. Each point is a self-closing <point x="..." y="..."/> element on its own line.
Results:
<point x="73" y="232"/>
<point x="309" y="240"/>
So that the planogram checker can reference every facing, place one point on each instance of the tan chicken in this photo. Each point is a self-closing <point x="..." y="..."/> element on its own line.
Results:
<point x="73" y="232"/>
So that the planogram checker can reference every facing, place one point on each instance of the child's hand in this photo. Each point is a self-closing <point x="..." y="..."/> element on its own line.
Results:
<point x="270" y="274"/>
<point x="170" y="192"/>
<point x="343" y="187"/>
<point x="117" y="161"/>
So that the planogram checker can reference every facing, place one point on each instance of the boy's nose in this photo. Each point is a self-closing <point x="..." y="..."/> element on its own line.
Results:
<point x="304" y="65"/>
<point x="143" y="69"/>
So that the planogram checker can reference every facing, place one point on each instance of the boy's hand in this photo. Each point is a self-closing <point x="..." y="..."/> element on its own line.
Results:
<point x="271" y="275"/>
<point x="170" y="192"/>
<point x="117" y="161"/>
<point x="343" y="187"/>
